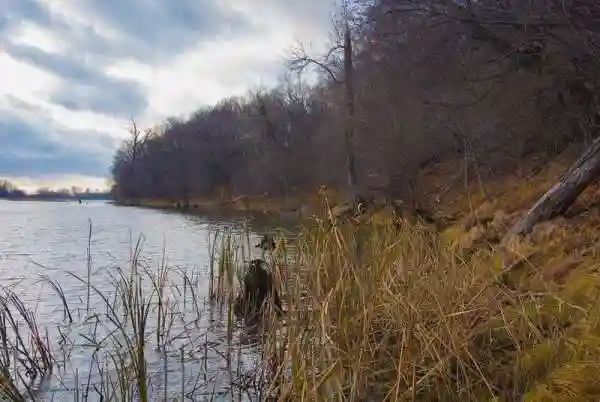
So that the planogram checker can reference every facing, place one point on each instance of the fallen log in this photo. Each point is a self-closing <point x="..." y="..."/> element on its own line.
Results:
<point x="563" y="193"/>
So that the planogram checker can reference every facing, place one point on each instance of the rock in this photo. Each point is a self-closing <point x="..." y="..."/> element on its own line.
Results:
<point x="257" y="289"/>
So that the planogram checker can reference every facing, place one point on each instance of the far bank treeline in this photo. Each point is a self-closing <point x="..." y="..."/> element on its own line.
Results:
<point x="405" y="85"/>
<point x="10" y="191"/>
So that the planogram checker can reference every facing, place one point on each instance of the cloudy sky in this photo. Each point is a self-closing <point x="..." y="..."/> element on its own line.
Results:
<point x="73" y="71"/>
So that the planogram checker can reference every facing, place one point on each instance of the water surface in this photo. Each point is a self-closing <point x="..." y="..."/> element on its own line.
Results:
<point x="42" y="241"/>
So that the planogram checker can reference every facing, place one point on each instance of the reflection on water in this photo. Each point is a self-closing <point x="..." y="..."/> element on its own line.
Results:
<point x="46" y="240"/>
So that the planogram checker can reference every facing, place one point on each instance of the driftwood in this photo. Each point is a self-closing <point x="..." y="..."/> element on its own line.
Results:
<point x="564" y="193"/>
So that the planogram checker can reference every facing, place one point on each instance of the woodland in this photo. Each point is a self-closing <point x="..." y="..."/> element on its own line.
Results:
<point x="405" y="86"/>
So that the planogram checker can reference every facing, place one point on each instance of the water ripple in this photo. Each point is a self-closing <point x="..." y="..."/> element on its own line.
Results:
<point x="39" y="239"/>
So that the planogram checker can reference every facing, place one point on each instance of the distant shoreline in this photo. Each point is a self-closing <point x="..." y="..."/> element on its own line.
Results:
<point x="35" y="197"/>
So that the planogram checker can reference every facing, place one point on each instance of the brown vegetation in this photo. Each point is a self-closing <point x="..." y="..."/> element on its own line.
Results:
<point x="490" y="83"/>
<point x="470" y="109"/>
<point x="382" y="311"/>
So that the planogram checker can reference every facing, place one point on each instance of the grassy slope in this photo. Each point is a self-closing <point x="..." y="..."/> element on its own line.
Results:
<point x="419" y="315"/>
<point x="482" y="217"/>
<point x="414" y="318"/>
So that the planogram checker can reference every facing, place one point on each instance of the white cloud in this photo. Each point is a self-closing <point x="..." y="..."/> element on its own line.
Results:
<point x="31" y="185"/>
<point x="201" y="74"/>
<point x="28" y="33"/>
<point x="24" y="80"/>
<point x="85" y="120"/>
<point x="211" y="71"/>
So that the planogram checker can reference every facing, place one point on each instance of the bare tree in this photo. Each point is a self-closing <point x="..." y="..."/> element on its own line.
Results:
<point x="400" y="80"/>
<point x="300" y="61"/>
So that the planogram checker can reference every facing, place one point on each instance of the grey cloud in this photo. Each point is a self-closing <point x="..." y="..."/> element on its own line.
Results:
<point x="120" y="100"/>
<point x="20" y="107"/>
<point x="157" y="28"/>
<point x="19" y="10"/>
<point x="151" y="31"/>
<point x="73" y="68"/>
<point x="85" y="88"/>
<point x="27" y="150"/>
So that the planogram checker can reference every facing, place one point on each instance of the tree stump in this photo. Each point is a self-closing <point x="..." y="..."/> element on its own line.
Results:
<point x="257" y="291"/>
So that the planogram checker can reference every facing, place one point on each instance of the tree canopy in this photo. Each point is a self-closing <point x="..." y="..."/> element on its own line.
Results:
<point x="488" y="81"/>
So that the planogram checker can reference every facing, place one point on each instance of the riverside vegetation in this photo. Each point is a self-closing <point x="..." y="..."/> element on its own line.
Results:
<point x="391" y="304"/>
<point x="376" y="309"/>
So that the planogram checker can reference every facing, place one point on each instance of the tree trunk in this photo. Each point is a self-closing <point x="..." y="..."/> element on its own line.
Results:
<point x="349" y="130"/>
<point x="134" y="186"/>
<point x="564" y="193"/>
<point x="185" y="177"/>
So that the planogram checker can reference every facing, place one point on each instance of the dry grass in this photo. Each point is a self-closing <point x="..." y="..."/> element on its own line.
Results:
<point x="399" y="312"/>
<point x="388" y="311"/>
<point x="396" y="313"/>
<point x="300" y="204"/>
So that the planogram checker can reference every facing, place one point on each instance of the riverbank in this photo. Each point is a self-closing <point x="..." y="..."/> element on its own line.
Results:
<point x="386" y="309"/>
<point x="57" y="198"/>
<point x="406" y="312"/>
<point x="447" y="192"/>
<point x="301" y="207"/>
<point x="467" y="211"/>
<point x="402" y="312"/>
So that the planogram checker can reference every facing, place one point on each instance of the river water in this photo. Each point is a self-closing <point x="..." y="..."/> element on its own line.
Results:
<point x="46" y="241"/>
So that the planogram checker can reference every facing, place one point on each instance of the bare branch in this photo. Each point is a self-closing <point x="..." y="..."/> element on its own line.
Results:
<point x="299" y="61"/>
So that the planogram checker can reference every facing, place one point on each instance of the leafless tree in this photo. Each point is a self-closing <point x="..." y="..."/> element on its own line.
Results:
<point x="328" y="63"/>
<point x="405" y="85"/>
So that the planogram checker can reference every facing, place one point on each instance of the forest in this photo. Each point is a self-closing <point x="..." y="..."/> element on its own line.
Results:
<point x="406" y="84"/>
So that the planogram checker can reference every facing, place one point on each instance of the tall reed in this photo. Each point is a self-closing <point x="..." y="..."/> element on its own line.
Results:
<point x="389" y="311"/>
<point x="373" y="311"/>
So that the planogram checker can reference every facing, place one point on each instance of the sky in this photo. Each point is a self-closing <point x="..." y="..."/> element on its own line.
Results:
<point x="74" y="72"/>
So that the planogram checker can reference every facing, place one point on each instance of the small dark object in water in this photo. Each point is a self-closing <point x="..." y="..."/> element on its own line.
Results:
<point x="79" y="200"/>
<point x="266" y="243"/>
<point x="257" y="287"/>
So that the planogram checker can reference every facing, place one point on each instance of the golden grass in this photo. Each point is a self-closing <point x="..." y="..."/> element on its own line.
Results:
<point x="398" y="313"/>
<point x="303" y="205"/>
<point x="382" y="311"/>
